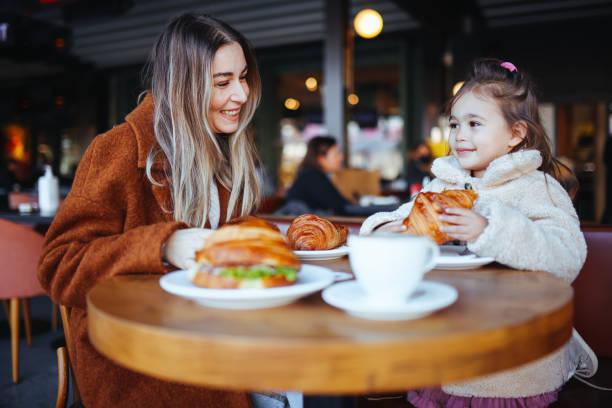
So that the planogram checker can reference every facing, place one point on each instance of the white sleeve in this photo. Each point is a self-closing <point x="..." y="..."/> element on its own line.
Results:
<point x="378" y="219"/>
<point x="548" y="238"/>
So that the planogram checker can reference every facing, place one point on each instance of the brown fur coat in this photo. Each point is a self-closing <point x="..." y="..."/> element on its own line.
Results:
<point x="112" y="223"/>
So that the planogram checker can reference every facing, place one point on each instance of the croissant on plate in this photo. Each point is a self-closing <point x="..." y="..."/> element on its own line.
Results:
<point x="309" y="232"/>
<point x="424" y="217"/>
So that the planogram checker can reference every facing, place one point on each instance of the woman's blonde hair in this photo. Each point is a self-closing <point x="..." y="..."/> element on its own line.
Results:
<point x="179" y="73"/>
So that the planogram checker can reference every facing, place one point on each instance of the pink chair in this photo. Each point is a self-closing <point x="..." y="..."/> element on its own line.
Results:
<point x="20" y="249"/>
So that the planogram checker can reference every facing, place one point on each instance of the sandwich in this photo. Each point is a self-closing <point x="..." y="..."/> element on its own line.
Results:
<point x="245" y="255"/>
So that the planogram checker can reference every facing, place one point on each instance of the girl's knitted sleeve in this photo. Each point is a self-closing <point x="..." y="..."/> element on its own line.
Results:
<point x="376" y="220"/>
<point x="541" y="233"/>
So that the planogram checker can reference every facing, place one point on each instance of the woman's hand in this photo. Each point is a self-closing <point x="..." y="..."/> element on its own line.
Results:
<point x="182" y="245"/>
<point x="393" y="226"/>
<point x="465" y="225"/>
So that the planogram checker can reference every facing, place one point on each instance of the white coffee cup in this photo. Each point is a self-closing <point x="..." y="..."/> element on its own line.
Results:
<point x="388" y="266"/>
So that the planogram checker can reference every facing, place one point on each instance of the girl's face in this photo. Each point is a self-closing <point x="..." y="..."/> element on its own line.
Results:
<point x="479" y="133"/>
<point x="332" y="161"/>
<point x="230" y="89"/>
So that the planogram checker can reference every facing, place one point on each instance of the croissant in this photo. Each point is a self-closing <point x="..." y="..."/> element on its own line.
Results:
<point x="309" y="232"/>
<point x="423" y="219"/>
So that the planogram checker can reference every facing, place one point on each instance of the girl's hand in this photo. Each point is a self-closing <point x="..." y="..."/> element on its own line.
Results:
<point x="465" y="225"/>
<point x="393" y="226"/>
<point x="182" y="245"/>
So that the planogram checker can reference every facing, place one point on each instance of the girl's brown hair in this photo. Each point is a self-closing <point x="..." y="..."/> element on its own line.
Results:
<point x="514" y="93"/>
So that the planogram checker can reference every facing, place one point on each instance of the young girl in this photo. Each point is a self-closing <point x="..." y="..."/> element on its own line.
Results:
<point x="523" y="218"/>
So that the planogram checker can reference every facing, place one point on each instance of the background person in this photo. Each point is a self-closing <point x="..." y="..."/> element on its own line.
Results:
<point x="418" y="166"/>
<point x="313" y="185"/>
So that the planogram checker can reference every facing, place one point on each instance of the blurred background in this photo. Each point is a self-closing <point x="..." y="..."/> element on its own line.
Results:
<point x="70" y="69"/>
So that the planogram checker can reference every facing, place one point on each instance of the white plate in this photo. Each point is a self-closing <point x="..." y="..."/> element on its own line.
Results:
<point x="310" y="279"/>
<point x="428" y="297"/>
<point x="323" y="255"/>
<point x="455" y="257"/>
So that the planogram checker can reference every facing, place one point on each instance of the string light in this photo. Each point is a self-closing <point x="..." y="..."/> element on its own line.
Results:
<point x="311" y="84"/>
<point x="292" y="104"/>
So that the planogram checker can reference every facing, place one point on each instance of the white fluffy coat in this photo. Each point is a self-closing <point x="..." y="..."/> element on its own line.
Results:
<point x="532" y="225"/>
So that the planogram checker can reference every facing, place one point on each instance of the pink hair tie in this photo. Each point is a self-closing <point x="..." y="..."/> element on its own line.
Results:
<point x="509" y="66"/>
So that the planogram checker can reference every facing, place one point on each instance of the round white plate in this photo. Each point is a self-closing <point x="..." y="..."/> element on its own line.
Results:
<point x="427" y="298"/>
<point x="310" y="279"/>
<point x="455" y="257"/>
<point x="323" y="255"/>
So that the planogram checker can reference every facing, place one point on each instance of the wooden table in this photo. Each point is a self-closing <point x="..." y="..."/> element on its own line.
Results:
<point x="503" y="318"/>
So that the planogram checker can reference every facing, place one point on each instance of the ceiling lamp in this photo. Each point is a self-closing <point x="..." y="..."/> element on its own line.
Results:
<point x="352" y="99"/>
<point x="368" y="23"/>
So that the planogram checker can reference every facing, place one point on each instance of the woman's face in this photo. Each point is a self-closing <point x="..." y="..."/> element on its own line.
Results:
<point x="332" y="161"/>
<point x="230" y="89"/>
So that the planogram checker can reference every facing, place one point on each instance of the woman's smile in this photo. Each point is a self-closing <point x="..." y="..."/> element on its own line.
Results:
<point x="231" y="115"/>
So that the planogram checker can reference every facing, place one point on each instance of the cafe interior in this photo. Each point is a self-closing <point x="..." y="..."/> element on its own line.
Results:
<point x="375" y="77"/>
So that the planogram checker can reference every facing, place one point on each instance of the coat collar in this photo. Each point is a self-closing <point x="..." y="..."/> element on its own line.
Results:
<point x="141" y="122"/>
<point x="500" y="170"/>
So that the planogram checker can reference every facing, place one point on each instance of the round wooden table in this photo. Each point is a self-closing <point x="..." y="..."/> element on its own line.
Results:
<point x="503" y="318"/>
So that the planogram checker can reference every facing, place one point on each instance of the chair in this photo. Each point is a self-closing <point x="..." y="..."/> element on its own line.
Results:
<point x="21" y="249"/>
<point x="270" y="204"/>
<point x="16" y="198"/>
<point x="354" y="183"/>
<point x="592" y="292"/>
<point x="64" y="368"/>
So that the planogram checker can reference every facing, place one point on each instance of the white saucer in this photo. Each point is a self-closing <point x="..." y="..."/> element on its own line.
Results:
<point x="342" y="276"/>
<point x="323" y="255"/>
<point x="310" y="279"/>
<point x="455" y="257"/>
<point x="428" y="297"/>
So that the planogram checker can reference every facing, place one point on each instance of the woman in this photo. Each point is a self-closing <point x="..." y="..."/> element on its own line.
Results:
<point x="182" y="159"/>
<point x="312" y="185"/>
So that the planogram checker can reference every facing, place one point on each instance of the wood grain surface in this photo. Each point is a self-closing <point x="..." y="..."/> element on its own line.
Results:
<point x="503" y="318"/>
